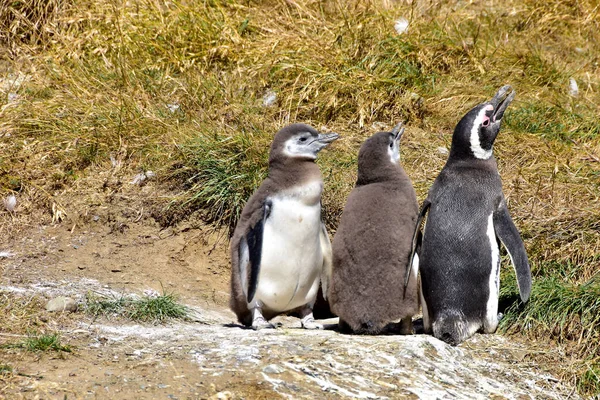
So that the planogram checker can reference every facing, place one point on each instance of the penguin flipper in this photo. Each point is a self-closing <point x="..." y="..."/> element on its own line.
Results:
<point x="416" y="241"/>
<point x="508" y="234"/>
<point x="327" y="270"/>
<point x="253" y="242"/>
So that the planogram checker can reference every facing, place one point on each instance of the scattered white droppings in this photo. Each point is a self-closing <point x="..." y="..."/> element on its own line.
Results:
<point x="6" y="254"/>
<point x="199" y="358"/>
<point x="142" y="177"/>
<point x="322" y="361"/>
<point x="151" y="293"/>
<point x="392" y="362"/>
<point x="326" y="385"/>
<point x="276" y="383"/>
<point x="14" y="289"/>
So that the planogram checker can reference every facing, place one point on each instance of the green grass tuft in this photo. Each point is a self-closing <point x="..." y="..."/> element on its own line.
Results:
<point x="563" y="312"/>
<point x="45" y="342"/>
<point x="148" y="308"/>
<point x="225" y="169"/>
<point x="567" y="312"/>
<point x="553" y="122"/>
<point x="40" y="342"/>
<point x="589" y="381"/>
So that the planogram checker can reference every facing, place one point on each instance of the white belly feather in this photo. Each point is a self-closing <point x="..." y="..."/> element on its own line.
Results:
<point x="292" y="258"/>
<point x="491" y="316"/>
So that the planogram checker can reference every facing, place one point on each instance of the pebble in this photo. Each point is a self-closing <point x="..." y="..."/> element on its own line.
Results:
<point x="573" y="88"/>
<point x="10" y="203"/>
<point x="401" y="25"/>
<point x="272" y="369"/>
<point x="270" y="98"/>
<point x="61" y="303"/>
<point x="226" y="395"/>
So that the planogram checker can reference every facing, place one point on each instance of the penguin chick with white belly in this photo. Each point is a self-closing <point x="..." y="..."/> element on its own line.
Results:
<point x="280" y="250"/>
<point x="459" y="258"/>
<point x="372" y="245"/>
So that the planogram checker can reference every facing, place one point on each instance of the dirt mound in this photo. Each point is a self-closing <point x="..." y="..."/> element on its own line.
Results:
<point x="212" y="356"/>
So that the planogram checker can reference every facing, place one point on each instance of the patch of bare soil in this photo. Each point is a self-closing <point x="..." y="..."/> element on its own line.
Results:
<point x="115" y="247"/>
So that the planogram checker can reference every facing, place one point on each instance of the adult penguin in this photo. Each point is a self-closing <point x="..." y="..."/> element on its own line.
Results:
<point x="459" y="258"/>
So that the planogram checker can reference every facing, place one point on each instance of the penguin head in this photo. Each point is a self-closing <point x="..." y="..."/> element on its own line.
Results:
<point x="475" y="133"/>
<point x="379" y="155"/>
<point x="299" y="141"/>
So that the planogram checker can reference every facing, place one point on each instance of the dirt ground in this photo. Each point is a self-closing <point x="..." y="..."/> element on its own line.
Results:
<point x="110" y="244"/>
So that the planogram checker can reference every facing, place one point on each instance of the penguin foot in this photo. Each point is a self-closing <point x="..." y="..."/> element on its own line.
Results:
<point x="309" y="322"/>
<point x="406" y="326"/>
<point x="261" y="323"/>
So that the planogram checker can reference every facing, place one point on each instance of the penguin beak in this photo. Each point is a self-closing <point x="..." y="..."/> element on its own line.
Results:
<point x="501" y="101"/>
<point x="398" y="131"/>
<point x="327" y="138"/>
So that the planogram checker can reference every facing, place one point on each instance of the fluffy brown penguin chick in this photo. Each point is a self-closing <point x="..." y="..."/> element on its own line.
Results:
<point x="372" y="245"/>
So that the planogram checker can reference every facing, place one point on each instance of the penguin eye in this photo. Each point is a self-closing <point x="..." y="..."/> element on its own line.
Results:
<point x="303" y="139"/>
<point x="486" y="122"/>
<point x="392" y="145"/>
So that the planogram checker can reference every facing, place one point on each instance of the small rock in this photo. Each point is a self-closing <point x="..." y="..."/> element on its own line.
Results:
<point x="225" y="395"/>
<point x="62" y="303"/>
<point x="272" y="369"/>
<point x="270" y="98"/>
<point x="173" y="107"/>
<point x="573" y="88"/>
<point x="116" y="269"/>
<point x="10" y="203"/>
<point x="401" y="25"/>
<point x="442" y="150"/>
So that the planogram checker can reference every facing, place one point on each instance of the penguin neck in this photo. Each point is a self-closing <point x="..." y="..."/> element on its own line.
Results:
<point x="379" y="174"/>
<point x="289" y="172"/>
<point x="459" y="158"/>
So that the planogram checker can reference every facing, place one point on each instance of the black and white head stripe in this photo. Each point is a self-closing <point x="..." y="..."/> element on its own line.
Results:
<point x="482" y="119"/>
